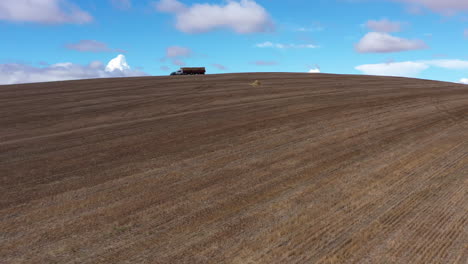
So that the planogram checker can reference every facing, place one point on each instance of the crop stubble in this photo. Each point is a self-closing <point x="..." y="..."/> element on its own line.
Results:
<point x="304" y="168"/>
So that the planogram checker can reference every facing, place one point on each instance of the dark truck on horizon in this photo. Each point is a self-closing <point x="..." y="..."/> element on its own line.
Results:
<point x="189" y="71"/>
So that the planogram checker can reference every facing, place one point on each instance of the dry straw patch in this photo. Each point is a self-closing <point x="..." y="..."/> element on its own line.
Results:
<point x="256" y="83"/>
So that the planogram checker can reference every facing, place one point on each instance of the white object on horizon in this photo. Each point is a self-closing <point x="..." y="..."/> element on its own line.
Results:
<point x="464" y="80"/>
<point x="316" y="70"/>
<point x="118" y="63"/>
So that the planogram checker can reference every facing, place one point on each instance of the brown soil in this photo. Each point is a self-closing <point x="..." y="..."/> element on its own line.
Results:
<point x="304" y="168"/>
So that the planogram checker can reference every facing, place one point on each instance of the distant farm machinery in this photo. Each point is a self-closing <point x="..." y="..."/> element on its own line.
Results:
<point x="190" y="71"/>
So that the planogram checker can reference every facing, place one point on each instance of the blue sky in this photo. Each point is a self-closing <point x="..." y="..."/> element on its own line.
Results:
<point x="72" y="39"/>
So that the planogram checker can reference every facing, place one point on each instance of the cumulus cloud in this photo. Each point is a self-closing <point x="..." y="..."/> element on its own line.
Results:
<point x="446" y="7"/>
<point x="21" y="73"/>
<point x="384" y="25"/>
<point x="178" y="51"/>
<point x="269" y="44"/>
<point x="219" y="66"/>
<point x="118" y="63"/>
<point x="377" y="42"/>
<point x="265" y="63"/>
<point x="464" y="80"/>
<point x="314" y="70"/>
<point x="245" y="16"/>
<point x="43" y="11"/>
<point x="122" y="4"/>
<point x="410" y="68"/>
<point x="91" y="46"/>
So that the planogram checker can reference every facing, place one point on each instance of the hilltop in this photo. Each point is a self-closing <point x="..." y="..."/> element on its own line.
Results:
<point x="302" y="168"/>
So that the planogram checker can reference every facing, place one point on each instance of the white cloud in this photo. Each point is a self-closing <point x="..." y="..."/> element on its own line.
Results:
<point x="384" y="25"/>
<point x="245" y="16"/>
<point x="404" y="69"/>
<point x="21" y="73"/>
<point x="269" y="44"/>
<point x="464" y="80"/>
<point x="448" y="64"/>
<point x="266" y="44"/>
<point x="177" y="51"/>
<point x="91" y="46"/>
<point x="43" y="11"/>
<point x="410" y="68"/>
<point x="377" y="42"/>
<point x="118" y="63"/>
<point x="316" y="70"/>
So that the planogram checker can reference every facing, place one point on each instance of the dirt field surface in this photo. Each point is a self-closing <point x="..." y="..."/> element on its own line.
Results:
<point x="303" y="168"/>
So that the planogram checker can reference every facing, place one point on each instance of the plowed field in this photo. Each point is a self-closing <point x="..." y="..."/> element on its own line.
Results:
<point x="304" y="168"/>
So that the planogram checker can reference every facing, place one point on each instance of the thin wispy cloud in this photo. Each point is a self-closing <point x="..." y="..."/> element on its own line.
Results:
<point x="448" y="64"/>
<point x="377" y="42"/>
<point x="178" y="62"/>
<point x="92" y="46"/>
<point x="265" y="63"/>
<point x="170" y="6"/>
<point x="445" y="7"/>
<point x="269" y="44"/>
<point x="219" y="66"/>
<point x="411" y="68"/>
<point x="178" y="51"/>
<point x="310" y="29"/>
<point x="403" y="69"/>
<point x="384" y="25"/>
